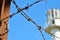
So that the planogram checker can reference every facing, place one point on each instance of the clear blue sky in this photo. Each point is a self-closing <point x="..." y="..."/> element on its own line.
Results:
<point x="21" y="29"/>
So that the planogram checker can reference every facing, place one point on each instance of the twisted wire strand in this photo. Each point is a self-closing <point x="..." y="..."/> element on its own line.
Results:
<point x="42" y="35"/>
<point x="29" y="19"/>
<point x="39" y="27"/>
<point x="27" y="7"/>
<point x="24" y="14"/>
<point x="19" y="9"/>
<point x="35" y="3"/>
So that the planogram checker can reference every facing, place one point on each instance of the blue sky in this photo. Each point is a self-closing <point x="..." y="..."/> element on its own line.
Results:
<point x="21" y="29"/>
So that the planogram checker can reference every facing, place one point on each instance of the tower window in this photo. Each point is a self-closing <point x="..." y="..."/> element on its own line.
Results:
<point x="53" y="21"/>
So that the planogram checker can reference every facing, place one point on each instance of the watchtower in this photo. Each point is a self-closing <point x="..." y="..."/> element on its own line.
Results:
<point x="53" y="22"/>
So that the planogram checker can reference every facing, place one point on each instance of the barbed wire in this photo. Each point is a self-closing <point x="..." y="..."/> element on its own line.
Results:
<point x="42" y="35"/>
<point x="10" y="16"/>
<point x="27" y="17"/>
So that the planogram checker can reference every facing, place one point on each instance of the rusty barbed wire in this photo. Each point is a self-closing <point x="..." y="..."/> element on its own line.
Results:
<point x="20" y="9"/>
<point x="39" y="27"/>
<point x="10" y="16"/>
<point x="27" y="17"/>
<point x="42" y="35"/>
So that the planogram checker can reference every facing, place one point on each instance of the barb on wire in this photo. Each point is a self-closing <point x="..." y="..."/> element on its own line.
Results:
<point x="25" y="8"/>
<point x="29" y="19"/>
<point x="35" y="2"/>
<point x="10" y="16"/>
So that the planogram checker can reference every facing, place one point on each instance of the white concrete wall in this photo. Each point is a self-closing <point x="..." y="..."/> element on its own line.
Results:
<point x="57" y="22"/>
<point x="57" y="34"/>
<point x="54" y="14"/>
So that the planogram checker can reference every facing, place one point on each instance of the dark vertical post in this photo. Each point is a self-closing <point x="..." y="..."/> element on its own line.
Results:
<point x="4" y="12"/>
<point x="1" y="2"/>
